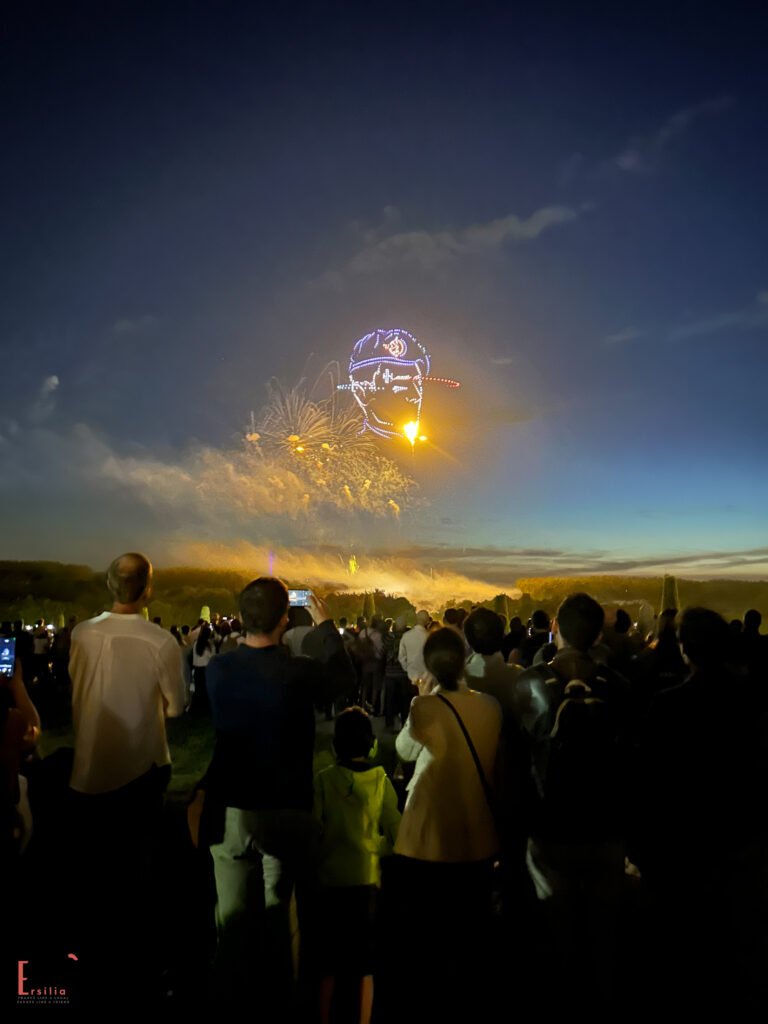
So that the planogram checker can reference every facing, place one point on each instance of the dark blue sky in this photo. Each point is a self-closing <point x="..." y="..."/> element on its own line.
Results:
<point x="565" y="202"/>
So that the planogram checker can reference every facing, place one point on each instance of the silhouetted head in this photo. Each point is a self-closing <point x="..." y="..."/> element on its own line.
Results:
<point x="352" y="734"/>
<point x="451" y="617"/>
<point x="298" y="615"/>
<point x="444" y="657"/>
<point x="752" y="621"/>
<point x="540" y="620"/>
<point x="622" y="622"/>
<point x="704" y="637"/>
<point x="264" y="605"/>
<point x="580" y="621"/>
<point x="484" y="631"/>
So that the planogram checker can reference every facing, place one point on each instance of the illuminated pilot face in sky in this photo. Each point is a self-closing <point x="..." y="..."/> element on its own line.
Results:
<point x="386" y="377"/>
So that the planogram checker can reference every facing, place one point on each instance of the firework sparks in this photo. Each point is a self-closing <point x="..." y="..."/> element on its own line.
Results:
<point x="319" y="444"/>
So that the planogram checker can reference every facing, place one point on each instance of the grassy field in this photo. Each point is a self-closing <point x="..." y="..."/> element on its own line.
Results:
<point x="191" y="740"/>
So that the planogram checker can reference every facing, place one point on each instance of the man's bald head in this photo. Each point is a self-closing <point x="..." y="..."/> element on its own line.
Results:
<point x="129" y="577"/>
<point x="423" y="619"/>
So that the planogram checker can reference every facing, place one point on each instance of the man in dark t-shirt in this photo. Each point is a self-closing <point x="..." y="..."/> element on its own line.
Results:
<point x="262" y="702"/>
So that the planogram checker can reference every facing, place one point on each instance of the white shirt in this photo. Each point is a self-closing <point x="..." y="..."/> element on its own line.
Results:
<point x="122" y="667"/>
<point x="42" y="643"/>
<point x="411" y="653"/>
<point x="446" y="816"/>
<point x="294" y="638"/>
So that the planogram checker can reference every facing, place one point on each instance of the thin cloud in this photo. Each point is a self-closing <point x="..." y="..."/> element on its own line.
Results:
<point x="621" y="337"/>
<point x="570" y="169"/>
<point x="431" y="250"/>
<point x="45" y="403"/>
<point x="643" y="154"/>
<point x="134" y="325"/>
<point x="750" y="318"/>
<point x="502" y="566"/>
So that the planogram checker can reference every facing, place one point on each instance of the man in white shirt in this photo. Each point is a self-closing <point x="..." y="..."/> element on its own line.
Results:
<point x="126" y="679"/>
<point x="411" y="653"/>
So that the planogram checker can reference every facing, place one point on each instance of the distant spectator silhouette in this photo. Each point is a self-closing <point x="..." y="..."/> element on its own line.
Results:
<point x="703" y="847"/>
<point x="754" y="646"/>
<point x="575" y="713"/>
<point x="660" y="666"/>
<point x="486" y="669"/>
<point x="538" y="636"/>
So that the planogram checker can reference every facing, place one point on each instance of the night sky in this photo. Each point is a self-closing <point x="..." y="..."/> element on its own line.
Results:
<point x="565" y="202"/>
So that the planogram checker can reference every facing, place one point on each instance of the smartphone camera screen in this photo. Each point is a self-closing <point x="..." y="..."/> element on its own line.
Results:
<point x="7" y="656"/>
<point x="298" y="598"/>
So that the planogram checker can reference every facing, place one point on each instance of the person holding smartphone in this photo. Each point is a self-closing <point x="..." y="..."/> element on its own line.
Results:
<point x="260" y="779"/>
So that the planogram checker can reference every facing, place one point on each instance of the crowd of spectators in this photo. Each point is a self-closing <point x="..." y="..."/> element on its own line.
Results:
<point x="576" y="816"/>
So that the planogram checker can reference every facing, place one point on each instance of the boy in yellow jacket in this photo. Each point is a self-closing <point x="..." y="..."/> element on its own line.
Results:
<point x="356" y="806"/>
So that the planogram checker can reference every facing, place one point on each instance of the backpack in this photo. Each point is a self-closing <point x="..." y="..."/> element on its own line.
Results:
<point x="579" y="755"/>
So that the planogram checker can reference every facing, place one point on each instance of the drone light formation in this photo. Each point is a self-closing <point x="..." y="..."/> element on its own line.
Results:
<point x="388" y="369"/>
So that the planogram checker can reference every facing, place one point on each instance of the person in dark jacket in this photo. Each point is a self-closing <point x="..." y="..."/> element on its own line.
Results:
<point x="574" y="712"/>
<point x="262" y="703"/>
<point x="702" y="845"/>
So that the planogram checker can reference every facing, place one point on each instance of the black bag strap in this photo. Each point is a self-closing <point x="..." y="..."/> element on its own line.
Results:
<point x="473" y="752"/>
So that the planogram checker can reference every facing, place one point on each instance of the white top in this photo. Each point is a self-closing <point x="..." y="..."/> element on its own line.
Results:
<point x="294" y="638"/>
<point x="446" y="816"/>
<point x="411" y="653"/>
<point x="122" y="669"/>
